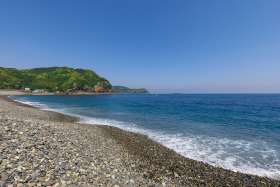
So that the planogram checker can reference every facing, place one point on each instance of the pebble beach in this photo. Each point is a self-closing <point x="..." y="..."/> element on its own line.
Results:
<point x="44" y="148"/>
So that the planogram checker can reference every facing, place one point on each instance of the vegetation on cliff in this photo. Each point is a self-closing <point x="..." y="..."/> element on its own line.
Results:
<point x="53" y="79"/>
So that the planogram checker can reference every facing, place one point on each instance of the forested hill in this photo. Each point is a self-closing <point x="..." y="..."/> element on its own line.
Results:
<point x="123" y="89"/>
<point x="53" y="79"/>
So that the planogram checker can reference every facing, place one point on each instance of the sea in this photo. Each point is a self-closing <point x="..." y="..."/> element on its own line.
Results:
<point x="239" y="132"/>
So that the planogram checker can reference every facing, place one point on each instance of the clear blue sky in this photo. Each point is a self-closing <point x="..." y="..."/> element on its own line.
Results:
<point x="164" y="45"/>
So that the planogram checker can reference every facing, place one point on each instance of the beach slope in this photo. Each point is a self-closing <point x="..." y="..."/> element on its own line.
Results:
<point x="50" y="149"/>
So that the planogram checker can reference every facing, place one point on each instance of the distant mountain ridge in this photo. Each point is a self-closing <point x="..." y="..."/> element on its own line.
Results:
<point x="123" y="89"/>
<point x="54" y="79"/>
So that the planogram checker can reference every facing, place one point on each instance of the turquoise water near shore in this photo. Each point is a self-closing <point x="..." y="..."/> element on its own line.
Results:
<point x="240" y="132"/>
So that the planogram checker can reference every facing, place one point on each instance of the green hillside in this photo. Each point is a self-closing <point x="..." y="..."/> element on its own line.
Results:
<point x="53" y="79"/>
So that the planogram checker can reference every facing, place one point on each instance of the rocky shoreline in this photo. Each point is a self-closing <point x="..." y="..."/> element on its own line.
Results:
<point x="42" y="148"/>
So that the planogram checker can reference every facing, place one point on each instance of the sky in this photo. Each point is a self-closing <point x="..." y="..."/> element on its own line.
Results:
<point x="166" y="46"/>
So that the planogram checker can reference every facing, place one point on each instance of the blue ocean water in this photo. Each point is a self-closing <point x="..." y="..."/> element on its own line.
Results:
<point x="240" y="132"/>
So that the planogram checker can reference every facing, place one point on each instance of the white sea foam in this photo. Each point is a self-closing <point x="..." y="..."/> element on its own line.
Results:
<point x="39" y="105"/>
<point x="35" y="104"/>
<point x="221" y="152"/>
